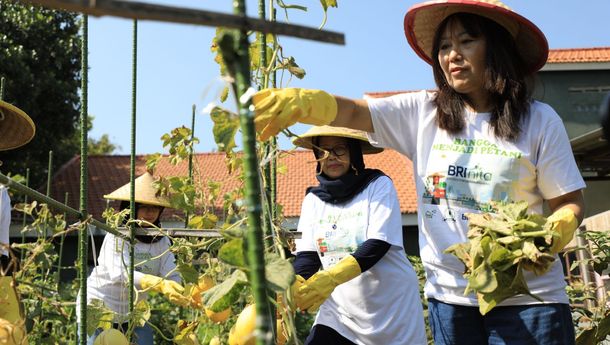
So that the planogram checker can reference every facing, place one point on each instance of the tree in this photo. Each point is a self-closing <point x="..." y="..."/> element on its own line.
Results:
<point x="40" y="60"/>
<point x="103" y="146"/>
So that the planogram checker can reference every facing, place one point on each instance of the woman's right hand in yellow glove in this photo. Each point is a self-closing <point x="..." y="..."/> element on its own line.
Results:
<point x="277" y="109"/>
<point x="173" y="291"/>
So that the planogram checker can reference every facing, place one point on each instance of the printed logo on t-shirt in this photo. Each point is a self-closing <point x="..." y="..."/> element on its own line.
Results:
<point x="339" y="234"/>
<point x="469" y="173"/>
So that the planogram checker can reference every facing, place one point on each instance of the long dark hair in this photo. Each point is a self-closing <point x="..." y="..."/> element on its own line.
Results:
<point x="506" y="79"/>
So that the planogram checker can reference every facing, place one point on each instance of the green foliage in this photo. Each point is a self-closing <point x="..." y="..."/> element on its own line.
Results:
<point x="179" y="144"/>
<point x="40" y="59"/>
<point x="101" y="146"/>
<point x="500" y="246"/>
<point x="592" y="325"/>
<point x="225" y="294"/>
<point x="226" y="124"/>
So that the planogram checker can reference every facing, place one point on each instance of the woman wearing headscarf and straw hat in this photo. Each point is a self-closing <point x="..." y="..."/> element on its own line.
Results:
<point x="155" y="267"/>
<point x="490" y="139"/>
<point x="16" y="130"/>
<point x="366" y="291"/>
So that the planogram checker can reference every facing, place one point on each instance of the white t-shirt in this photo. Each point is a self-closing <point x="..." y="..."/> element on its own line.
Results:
<point x="382" y="305"/>
<point x="5" y="218"/>
<point x="108" y="280"/>
<point x="461" y="174"/>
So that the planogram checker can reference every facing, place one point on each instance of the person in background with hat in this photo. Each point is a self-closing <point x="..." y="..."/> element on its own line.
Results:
<point x="366" y="291"/>
<point x="16" y="130"/>
<point x="155" y="267"/>
<point x="489" y="138"/>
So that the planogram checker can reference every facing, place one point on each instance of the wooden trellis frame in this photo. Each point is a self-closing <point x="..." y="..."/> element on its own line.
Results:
<point x="240" y="66"/>
<point x="146" y="11"/>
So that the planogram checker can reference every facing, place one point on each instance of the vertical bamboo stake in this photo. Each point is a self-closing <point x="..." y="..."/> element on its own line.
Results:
<point x="234" y="50"/>
<point x="82" y="235"/>
<point x="267" y="224"/>
<point x="191" y="152"/>
<point x="61" y="246"/>
<point x="132" y="172"/>
<point x="25" y="200"/>
<point x="45" y="274"/>
<point x="2" y="89"/>
<point x="273" y="182"/>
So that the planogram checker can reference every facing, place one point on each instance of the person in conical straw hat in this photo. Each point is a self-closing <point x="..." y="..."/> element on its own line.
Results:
<point x="155" y="267"/>
<point x="16" y="130"/>
<point x="350" y="262"/>
<point x="483" y="130"/>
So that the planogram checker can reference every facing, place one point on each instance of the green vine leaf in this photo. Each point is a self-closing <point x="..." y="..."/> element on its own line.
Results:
<point x="325" y="5"/>
<point x="226" y="124"/>
<point x="278" y="272"/>
<point x="188" y="273"/>
<point x="98" y="316"/>
<point x="225" y="294"/>
<point x="232" y="252"/>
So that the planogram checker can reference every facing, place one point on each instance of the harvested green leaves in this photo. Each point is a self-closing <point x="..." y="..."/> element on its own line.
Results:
<point x="501" y="245"/>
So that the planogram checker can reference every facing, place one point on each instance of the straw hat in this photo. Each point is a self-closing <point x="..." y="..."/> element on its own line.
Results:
<point x="16" y="127"/>
<point x="305" y="140"/>
<point x="145" y="192"/>
<point x="422" y="20"/>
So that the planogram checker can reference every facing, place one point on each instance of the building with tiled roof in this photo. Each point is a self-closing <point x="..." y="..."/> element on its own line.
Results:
<point x="578" y="59"/>
<point x="107" y="173"/>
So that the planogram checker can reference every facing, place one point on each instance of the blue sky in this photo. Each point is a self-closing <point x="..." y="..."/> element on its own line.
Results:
<point x="176" y="68"/>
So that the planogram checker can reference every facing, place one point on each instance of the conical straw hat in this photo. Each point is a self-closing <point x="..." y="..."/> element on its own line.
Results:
<point x="145" y="192"/>
<point x="305" y="140"/>
<point x="16" y="127"/>
<point x="422" y="20"/>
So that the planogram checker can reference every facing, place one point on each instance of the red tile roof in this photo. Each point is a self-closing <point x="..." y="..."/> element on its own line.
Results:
<point x="107" y="173"/>
<point x="575" y="55"/>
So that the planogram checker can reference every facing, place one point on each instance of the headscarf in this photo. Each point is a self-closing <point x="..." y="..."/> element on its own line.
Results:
<point x="347" y="186"/>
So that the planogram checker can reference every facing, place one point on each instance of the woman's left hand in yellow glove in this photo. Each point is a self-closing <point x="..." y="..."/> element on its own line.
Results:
<point x="564" y="223"/>
<point x="315" y="290"/>
<point x="169" y="288"/>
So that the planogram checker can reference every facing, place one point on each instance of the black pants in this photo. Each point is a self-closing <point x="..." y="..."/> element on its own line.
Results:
<point x="324" y="335"/>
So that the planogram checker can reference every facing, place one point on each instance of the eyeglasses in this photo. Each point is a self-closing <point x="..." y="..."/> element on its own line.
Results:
<point x="338" y="151"/>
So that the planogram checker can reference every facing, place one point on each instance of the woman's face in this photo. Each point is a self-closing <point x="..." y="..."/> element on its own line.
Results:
<point x="462" y="59"/>
<point x="148" y="213"/>
<point x="337" y="162"/>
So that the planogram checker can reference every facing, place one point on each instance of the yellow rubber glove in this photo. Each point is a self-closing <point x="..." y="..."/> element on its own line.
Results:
<point x="318" y="287"/>
<point x="564" y="223"/>
<point x="294" y="289"/>
<point x="277" y="109"/>
<point x="9" y="303"/>
<point x="169" y="288"/>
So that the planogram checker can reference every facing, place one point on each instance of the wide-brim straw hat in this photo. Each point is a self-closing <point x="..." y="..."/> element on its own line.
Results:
<point x="16" y="127"/>
<point x="306" y="140"/>
<point x="422" y="21"/>
<point x="145" y="192"/>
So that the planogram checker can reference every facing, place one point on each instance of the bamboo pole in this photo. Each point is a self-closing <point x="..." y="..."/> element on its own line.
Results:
<point x="191" y="152"/>
<point x="35" y="195"/>
<point x="83" y="237"/>
<point x="234" y="48"/>
<point x="132" y="170"/>
<point x="147" y="11"/>
<point x="61" y="247"/>
<point x="25" y="200"/>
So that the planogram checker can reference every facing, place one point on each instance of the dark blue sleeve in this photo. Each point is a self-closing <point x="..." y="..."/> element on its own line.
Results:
<point x="369" y="252"/>
<point x="306" y="264"/>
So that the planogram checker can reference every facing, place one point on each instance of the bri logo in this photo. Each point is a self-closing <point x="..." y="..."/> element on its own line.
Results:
<point x="474" y="174"/>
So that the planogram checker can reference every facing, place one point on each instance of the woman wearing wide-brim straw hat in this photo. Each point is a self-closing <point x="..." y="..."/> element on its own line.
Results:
<point x="350" y="261"/>
<point x="490" y="139"/>
<point x="155" y="267"/>
<point x="16" y="130"/>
